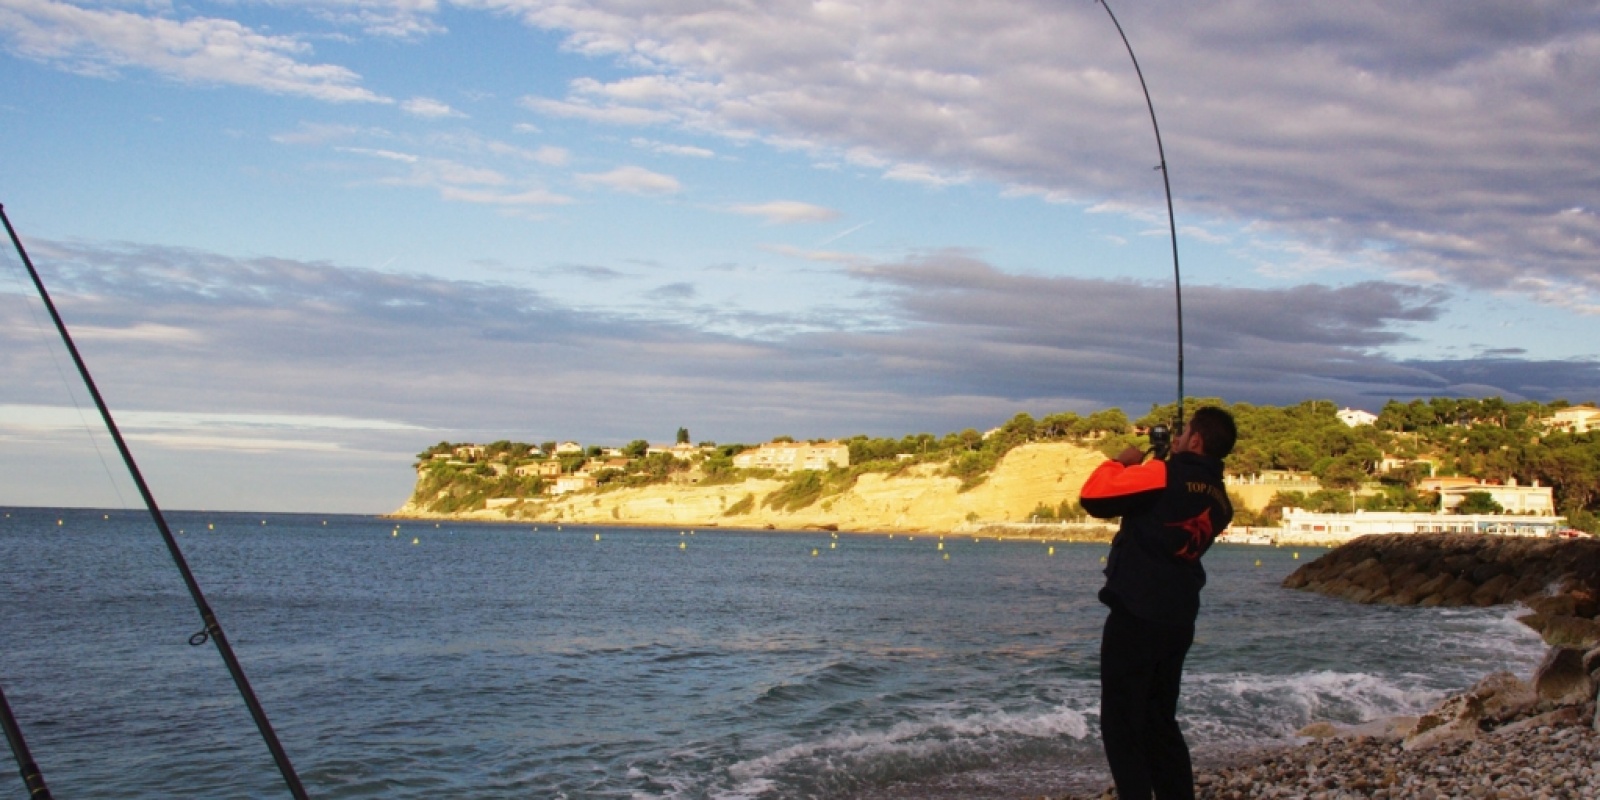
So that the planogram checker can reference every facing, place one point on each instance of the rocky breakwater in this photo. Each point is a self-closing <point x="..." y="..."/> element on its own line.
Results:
<point x="1505" y="737"/>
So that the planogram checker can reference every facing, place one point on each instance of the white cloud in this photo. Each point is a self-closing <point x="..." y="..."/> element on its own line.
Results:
<point x="1434" y="132"/>
<point x="429" y="108"/>
<point x="609" y="114"/>
<point x="140" y="332"/>
<point x="197" y="50"/>
<point x="688" y="151"/>
<point x="784" y="212"/>
<point x="633" y="180"/>
<point x="531" y="197"/>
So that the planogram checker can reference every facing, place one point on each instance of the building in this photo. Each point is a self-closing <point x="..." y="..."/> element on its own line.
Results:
<point x="567" y="484"/>
<point x="471" y="452"/>
<point x="792" y="456"/>
<point x="1513" y="499"/>
<point x="569" y="448"/>
<point x="1355" y="417"/>
<point x="542" y="469"/>
<point x="1306" y="527"/>
<point x="1575" y="419"/>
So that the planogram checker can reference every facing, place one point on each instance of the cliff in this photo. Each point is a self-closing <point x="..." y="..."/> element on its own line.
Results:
<point x="918" y="500"/>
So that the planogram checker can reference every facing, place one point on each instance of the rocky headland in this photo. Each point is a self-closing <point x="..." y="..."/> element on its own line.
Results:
<point x="1507" y="738"/>
<point x="920" y="498"/>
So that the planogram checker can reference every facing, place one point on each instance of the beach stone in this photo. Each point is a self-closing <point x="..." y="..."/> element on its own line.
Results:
<point x="1561" y="679"/>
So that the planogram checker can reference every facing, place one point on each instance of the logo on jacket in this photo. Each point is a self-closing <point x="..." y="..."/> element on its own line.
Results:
<point x="1198" y="527"/>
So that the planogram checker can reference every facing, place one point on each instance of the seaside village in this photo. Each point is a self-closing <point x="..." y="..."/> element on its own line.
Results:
<point x="1525" y="510"/>
<point x="1518" y="508"/>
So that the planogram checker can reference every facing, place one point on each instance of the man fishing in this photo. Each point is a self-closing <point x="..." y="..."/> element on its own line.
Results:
<point x="1171" y="509"/>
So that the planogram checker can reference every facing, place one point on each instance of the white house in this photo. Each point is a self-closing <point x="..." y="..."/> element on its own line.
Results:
<point x="1355" y="417"/>
<point x="1574" y="419"/>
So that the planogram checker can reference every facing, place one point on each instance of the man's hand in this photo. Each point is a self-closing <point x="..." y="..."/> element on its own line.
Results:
<point x="1130" y="457"/>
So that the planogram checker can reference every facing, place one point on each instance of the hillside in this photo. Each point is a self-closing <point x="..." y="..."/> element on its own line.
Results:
<point x="920" y="499"/>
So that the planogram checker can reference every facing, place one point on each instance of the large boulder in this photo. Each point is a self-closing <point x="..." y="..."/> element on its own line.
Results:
<point x="1558" y="630"/>
<point x="1560" y="678"/>
<point x="1499" y="696"/>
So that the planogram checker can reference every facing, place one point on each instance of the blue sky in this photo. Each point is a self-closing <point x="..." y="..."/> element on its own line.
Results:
<point x="300" y="240"/>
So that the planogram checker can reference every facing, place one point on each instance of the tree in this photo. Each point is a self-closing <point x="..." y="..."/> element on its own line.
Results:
<point x="636" y="448"/>
<point x="1478" y="503"/>
<point x="683" y="436"/>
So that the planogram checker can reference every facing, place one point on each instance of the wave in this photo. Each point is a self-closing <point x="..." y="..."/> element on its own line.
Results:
<point x="915" y="749"/>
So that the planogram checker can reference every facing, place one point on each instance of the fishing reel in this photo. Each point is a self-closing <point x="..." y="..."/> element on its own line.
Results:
<point x="1160" y="441"/>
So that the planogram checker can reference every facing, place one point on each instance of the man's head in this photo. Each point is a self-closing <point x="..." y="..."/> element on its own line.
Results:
<point x="1210" y="431"/>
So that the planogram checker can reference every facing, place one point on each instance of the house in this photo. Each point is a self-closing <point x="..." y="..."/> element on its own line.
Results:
<point x="1391" y="464"/>
<point x="791" y="456"/>
<point x="1355" y="417"/>
<point x="567" y="484"/>
<point x="1532" y="500"/>
<point x="471" y="452"/>
<point x="569" y="448"/>
<point x="1574" y="419"/>
<point x="542" y="469"/>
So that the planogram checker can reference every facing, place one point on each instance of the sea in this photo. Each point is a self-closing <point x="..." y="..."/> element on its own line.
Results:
<point x="404" y="659"/>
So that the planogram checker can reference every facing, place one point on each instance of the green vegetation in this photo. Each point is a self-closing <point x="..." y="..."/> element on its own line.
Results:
<point x="1376" y="467"/>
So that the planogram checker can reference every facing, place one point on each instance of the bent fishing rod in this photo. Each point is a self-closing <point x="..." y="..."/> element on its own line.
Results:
<point x="1172" y="220"/>
<point x="212" y="629"/>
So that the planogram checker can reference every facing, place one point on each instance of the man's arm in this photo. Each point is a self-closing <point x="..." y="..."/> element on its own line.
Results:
<point x="1123" y="485"/>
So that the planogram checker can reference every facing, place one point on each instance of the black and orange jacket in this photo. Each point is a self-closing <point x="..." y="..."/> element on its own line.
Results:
<point x="1171" y="512"/>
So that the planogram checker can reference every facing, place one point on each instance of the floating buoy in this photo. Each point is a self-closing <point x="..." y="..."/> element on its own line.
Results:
<point x="1258" y="562"/>
<point x="597" y="537"/>
<point x="210" y="527"/>
<point x="58" y="523"/>
<point x="683" y="545"/>
<point x="263" y="522"/>
<point x="941" y="545"/>
<point x="395" y="534"/>
<point x="947" y="556"/>
<point x="833" y="545"/>
<point x="1102" y="559"/>
<point x="416" y="540"/>
<point x="813" y="552"/>
<point x="1052" y="551"/>
<point x="1297" y="555"/>
<point x="106" y="516"/>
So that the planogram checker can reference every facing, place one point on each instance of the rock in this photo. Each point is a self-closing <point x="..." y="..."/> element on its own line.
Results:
<point x="1568" y="715"/>
<point x="1577" y="633"/>
<point x="1454" y="719"/>
<point x="1505" y="696"/>
<point x="1493" y="590"/>
<point x="1552" y="605"/>
<point x="1319" y="730"/>
<point x="1561" y="679"/>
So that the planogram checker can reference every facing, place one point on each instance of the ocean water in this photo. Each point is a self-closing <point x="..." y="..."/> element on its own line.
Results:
<point x="501" y="661"/>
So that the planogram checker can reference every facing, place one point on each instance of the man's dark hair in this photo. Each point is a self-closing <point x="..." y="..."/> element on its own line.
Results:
<point x="1216" y="429"/>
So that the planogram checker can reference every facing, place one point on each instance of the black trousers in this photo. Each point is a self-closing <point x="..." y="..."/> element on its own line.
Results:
<point x="1141" y="667"/>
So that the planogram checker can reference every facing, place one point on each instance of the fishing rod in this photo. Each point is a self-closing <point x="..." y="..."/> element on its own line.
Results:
<point x="1172" y="220"/>
<point x="212" y="629"/>
<point x="31" y="776"/>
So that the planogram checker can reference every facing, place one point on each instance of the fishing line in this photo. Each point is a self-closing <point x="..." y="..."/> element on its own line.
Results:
<point x="1172" y="220"/>
<point x="83" y="419"/>
<point x="212" y="629"/>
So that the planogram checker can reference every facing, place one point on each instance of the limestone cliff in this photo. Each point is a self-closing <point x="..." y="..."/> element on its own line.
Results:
<point x="918" y="500"/>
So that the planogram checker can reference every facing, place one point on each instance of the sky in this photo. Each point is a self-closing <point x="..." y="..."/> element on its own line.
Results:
<point x="300" y="241"/>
